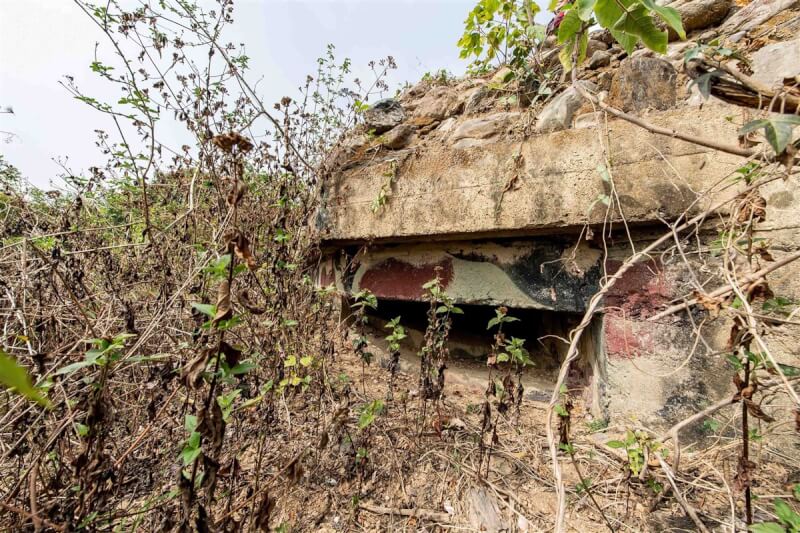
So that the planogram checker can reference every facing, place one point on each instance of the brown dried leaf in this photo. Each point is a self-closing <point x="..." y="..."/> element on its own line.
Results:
<point x="761" y="290"/>
<point x="224" y="310"/>
<point x="242" y="249"/>
<point x="755" y="410"/>
<point x="244" y="300"/>
<point x="764" y="253"/>
<point x="212" y="427"/>
<point x="192" y="372"/>
<point x="201" y="523"/>
<point x="227" y="141"/>
<point x="711" y="304"/>
<point x="295" y="470"/>
<point x="264" y="513"/>
<point x="231" y="353"/>
<point x="752" y="206"/>
<point x="185" y="487"/>
<point x="737" y="380"/>
<point x="231" y="467"/>
<point x="236" y="193"/>
<point x="743" y="475"/>
<point x="210" y="468"/>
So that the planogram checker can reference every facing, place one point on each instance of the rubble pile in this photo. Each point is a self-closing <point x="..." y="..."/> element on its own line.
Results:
<point x="480" y="110"/>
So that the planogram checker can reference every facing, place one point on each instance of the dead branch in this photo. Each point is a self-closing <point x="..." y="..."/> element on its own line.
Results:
<point x="415" y="513"/>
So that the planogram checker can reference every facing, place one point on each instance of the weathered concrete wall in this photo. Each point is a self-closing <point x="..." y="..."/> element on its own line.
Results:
<point x="545" y="183"/>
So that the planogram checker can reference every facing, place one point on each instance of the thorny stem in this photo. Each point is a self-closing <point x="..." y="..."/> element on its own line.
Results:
<point x="748" y="513"/>
<point x="231" y="266"/>
<point x="586" y="486"/>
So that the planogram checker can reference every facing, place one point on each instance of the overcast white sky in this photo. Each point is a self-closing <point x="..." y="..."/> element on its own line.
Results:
<point x="42" y="40"/>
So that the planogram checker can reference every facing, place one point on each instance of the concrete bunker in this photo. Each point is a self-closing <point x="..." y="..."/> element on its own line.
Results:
<point x="506" y="211"/>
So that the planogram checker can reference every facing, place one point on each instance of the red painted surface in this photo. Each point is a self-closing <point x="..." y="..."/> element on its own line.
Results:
<point x="625" y="338"/>
<point x="327" y="275"/>
<point x="399" y="280"/>
<point x="641" y="292"/>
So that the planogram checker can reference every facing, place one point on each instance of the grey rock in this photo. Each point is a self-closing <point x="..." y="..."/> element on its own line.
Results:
<point x="603" y="36"/>
<point x="676" y="50"/>
<point x="774" y="62"/>
<point x="643" y="82"/>
<point x="643" y="52"/>
<point x="384" y="115"/>
<point x="738" y="36"/>
<point x="601" y="58"/>
<point x="754" y="14"/>
<point x="604" y="80"/>
<point x="499" y="77"/>
<point x="484" y="512"/>
<point x="557" y="114"/>
<point x="439" y="103"/>
<point x="588" y="120"/>
<point x="483" y="127"/>
<point x="475" y="100"/>
<point x="446" y="125"/>
<point x="701" y="14"/>
<point x="593" y="46"/>
<point x="353" y="142"/>
<point x="398" y="137"/>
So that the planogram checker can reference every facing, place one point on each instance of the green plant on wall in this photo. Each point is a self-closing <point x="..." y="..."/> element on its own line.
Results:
<point x="504" y="31"/>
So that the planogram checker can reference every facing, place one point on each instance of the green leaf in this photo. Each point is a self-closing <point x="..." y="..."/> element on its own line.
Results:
<point x="615" y="444"/>
<point x="638" y="22"/>
<point x="789" y="371"/>
<point x="207" y="309"/>
<point x="290" y="361"/>
<point x="767" y="527"/>
<point x="628" y="42"/>
<point x="69" y="369"/>
<point x="190" y="423"/>
<point x="777" y="130"/>
<point x="569" y="27"/>
<point x="669" y="15"/>
<point x="189" y="454"/>
<point x="243" y="368"/>
<point x="703" y="82"/>
<point x="565" y="54"/>
<point x="585" y="9"/>
<point x="786" y="515"/>
<point x="14" y="376"/>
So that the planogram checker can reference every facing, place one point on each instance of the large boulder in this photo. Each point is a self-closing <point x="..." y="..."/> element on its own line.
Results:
<point x="754" y="14"/>
<point x="398" y="137"/>
<point x="475" y="131"/>
<point x="384" y="115"/>
<point x="701" y="14"/>
<point x="557" y="114"/>
<point x="437" y="104"/>
<point x="777" y="61"/>
<point x="644" y="83"/>
<point x="601" y="58"/>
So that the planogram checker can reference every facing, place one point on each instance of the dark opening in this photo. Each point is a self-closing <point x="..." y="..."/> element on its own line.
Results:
<point x="545" y="333"/>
